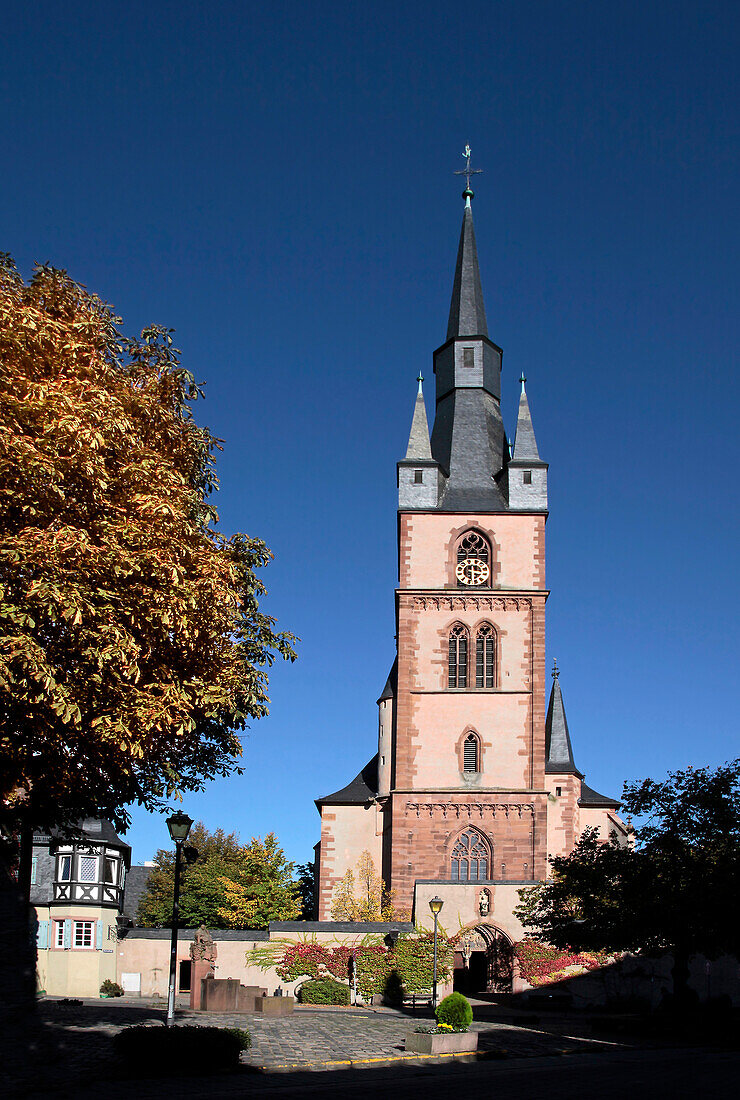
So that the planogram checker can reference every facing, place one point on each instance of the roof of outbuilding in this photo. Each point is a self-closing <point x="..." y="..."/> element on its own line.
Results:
<point x="363" y="788"/>
<point x="590" y="797"/>
<point x="247" y="934"/>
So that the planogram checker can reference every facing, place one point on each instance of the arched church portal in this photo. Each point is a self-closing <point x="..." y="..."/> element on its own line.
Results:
<point x="484" y="958"/>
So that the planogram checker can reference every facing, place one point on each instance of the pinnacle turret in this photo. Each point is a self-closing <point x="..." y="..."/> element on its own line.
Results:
<point x="419" y="445"/>
<point x="527" y="473"/>
<point x="558" y="749"/>
<point x="525" y="444"/>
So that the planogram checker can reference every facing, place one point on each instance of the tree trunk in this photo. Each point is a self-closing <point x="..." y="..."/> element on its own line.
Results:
<point x="680" y="974"/>
<point x="25" y="861"/>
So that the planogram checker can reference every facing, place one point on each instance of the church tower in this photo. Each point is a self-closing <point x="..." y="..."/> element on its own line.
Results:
<point x="474" y="782"/>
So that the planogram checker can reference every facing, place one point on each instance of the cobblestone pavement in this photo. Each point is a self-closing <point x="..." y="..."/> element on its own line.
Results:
<point x="74" y="1049"/>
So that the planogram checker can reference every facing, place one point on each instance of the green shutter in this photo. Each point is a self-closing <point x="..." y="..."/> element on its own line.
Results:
<point x="67" y="935"/>
<point x="98" y="935"/>
<point x="42" y="935"/>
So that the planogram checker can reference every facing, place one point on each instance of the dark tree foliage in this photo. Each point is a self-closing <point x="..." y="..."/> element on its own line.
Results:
<point x="676" y="890"/>
<point x="307" y="887"/>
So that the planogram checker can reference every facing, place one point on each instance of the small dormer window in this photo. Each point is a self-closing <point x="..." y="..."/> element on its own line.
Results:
<point x="527" y="477"/>
<point x="468" y="357"/>
<point x="418" y="477"/>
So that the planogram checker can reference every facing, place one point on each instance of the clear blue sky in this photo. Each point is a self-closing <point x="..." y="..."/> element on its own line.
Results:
<point x="274" y="181"/>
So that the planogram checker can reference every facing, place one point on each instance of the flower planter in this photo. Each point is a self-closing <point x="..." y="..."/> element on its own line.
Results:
<point x="453" y="1042"/>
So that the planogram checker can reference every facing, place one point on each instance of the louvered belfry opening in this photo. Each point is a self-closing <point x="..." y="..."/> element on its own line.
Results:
<point x="470" y="857"/>
<point x="485" y="661"/>
<point x="470" y="753"/>
<point x="458" y="657"/>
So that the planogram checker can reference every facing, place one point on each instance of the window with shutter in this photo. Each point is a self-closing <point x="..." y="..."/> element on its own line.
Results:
<point x="485" y="657"/>
<point x="470" y="753"/>
<point x="458" y="657"/>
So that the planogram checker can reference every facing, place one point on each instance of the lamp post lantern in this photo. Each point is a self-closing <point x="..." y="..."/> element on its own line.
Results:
<point x="435" y="905"/>
<point x="179" y="827"/>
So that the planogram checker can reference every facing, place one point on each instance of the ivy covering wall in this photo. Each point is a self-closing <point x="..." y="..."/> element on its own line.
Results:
<point x="404" y="969"/>
<point x="540" y="964"/>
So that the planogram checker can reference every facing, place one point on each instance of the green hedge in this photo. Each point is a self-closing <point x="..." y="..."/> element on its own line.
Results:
<point x="150" y="1049"/>
<point x="324" y="991"/>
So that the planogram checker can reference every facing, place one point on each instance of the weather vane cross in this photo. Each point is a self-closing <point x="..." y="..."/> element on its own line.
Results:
<point x="467" y="171"/>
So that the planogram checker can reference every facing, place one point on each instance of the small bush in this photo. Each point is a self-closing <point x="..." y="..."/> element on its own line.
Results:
<point x="111" y="989"/>
<point x="455" y="1010"/>
<point x="153" y="1050"/>
<point x="324" y="991"/>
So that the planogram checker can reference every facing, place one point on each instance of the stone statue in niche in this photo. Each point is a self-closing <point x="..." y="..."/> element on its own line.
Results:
<point x="203" y="954"/>
<point x="484" y="903"/>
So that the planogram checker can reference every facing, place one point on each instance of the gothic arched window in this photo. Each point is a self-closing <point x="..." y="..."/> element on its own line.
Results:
<point x="485" y="657"/>
<point x="458" y="657"/>
<point x="473" y="565"/>
<point x="470" y="857"/>
<point x="471" y="754"/>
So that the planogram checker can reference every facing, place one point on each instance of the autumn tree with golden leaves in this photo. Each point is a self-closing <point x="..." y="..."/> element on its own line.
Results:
<point x="132" y="646"/>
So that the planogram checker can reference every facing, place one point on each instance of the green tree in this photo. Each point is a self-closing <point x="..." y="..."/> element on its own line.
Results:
<point x="676" y="890"/>
<point x="364" y="897"/>
<point x="232" y="885"/>
<point x="132" y="646"/>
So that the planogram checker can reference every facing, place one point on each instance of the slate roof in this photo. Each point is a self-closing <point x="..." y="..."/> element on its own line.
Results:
<point x="468" y="440"/>
<point x="133" y="890"/>
<point x="467" y="310"/>
<point x="363" y="788"/>
<point x="525" y="444"/>
<point x="558" y="749"/>
<point x="391" y="684"/>
<point x="97" y="831"/>
<point x="247" y="934"/>
<point x="590" y="797"/>
<point x="419" y="446"/>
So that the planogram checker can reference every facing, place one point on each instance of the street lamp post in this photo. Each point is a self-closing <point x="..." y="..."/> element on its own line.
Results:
<point x="436" y="907"/>
<point x="179" y="827"/>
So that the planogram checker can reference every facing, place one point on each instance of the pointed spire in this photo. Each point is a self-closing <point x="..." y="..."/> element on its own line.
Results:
<point x="525" y="444"/>
<point x="467" y="311"/>
<point x="419" y="446"/>
<point x="558" y="749"/>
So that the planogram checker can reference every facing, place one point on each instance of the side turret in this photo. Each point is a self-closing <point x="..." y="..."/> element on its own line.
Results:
<point x="418" y="473"/>
<point x="527" y="473"/>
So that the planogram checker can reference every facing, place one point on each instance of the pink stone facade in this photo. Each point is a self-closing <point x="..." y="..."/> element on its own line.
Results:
<point x="475" y="784"/>
<point x="430" y="799"/>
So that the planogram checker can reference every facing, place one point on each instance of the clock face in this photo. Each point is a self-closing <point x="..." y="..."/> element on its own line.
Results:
<point x="472" y="571"/>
